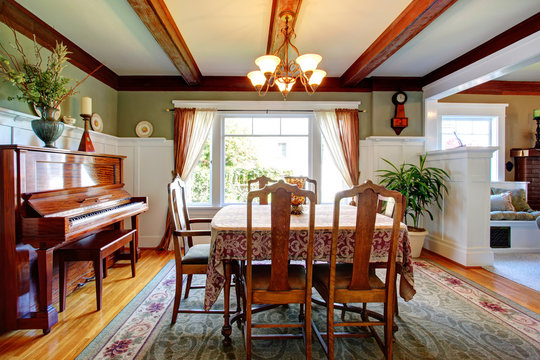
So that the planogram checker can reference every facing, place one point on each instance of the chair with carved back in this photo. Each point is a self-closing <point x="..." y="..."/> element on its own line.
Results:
<point x="357" y="282"/>
<point x="279" y="283"/>
<point x="386" y="207"/>
<point x="190" y="259"/>
<point x="311" y="184"/>
<point x="261" y="181"/>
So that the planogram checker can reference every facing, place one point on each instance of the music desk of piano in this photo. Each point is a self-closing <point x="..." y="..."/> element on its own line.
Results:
<point x="52" y="197"/>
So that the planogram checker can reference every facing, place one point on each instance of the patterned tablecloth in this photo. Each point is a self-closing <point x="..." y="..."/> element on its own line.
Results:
<point x="229" y="242"/>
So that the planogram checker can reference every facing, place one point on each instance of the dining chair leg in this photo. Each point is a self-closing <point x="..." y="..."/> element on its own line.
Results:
<point x="177" y="295"/>
<point x="247" y="331"/>
<point x="330" y="330"/>
<point x="188" y="285"/>
<point x="307" y="328"/>
<point x="388" y="333"/>
<point x="301" y="315"/>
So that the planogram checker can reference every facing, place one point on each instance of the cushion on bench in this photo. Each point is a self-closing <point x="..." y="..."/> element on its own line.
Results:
<point x="515" y="215"/>
<point x="519" y="198"/>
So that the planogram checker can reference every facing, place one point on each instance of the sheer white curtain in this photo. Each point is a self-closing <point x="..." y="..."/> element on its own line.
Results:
<point x="202" y="125"/>
<point x="329" y="128"/>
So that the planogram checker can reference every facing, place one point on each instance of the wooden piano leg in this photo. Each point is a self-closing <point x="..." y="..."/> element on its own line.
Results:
<point x="46" y="316"/>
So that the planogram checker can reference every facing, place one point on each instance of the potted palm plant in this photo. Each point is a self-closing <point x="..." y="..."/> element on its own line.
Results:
<point x="422" y="187"/>
<point x="40" y="83"/>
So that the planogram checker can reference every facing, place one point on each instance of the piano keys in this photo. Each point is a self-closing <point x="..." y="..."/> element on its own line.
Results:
<point x="52" y="197"/>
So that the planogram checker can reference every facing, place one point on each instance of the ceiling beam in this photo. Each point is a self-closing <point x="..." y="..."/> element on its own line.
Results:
<point x="26" y="23"/>
<point x="157" y="18"/>
<point x="497" y="87"/>
<point x="276" y="24"/>
<point x="499" y="42"/>
<point x="417" y="16"/>
<point x="242" y="83"/>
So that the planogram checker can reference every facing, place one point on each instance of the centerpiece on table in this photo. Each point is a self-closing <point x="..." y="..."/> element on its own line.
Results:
<point x="296" y="201"/>
<point x="40" y="84"/>
<point x="422" y="186"/>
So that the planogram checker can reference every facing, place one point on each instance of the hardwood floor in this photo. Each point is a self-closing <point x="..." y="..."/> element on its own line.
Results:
<point x="80" y="322"/>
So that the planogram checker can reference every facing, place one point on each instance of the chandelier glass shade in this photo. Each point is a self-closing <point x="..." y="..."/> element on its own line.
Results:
<point x="284" y="73"/>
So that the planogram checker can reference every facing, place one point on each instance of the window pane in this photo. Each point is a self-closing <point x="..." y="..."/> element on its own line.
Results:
<point x="250" y="157"/>
<point x="266" y="126"/>
<point x="198" y="184"/>
<point x="297" y="126"/>
<point x="238" y="126"/>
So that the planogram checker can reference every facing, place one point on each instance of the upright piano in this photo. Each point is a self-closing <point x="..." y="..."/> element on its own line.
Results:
<point x="51" y="197"/>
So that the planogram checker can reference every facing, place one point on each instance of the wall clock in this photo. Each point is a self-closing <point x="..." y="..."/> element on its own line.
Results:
<point x="399" y="121"/>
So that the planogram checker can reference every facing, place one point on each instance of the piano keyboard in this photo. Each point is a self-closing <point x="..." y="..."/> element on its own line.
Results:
<point x="93" y="216"/>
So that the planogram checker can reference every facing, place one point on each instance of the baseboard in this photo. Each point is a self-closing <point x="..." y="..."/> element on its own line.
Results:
<point x="463" y="256"/>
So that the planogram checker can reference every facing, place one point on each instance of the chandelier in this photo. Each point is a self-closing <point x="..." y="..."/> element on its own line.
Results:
<point x="284" y="72"/>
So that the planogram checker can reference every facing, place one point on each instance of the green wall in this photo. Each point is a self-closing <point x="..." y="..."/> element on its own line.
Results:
<point x="520" y="128"/>
<point x="121" y="111"/>
<point x="104" y="98"/>
<point x="135" y="106"/>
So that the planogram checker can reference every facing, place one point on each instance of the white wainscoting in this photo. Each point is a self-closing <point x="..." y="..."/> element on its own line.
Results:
<point x="396" y="149"/>
<point x="460" y="231"/>
<point x="147" y="168"/>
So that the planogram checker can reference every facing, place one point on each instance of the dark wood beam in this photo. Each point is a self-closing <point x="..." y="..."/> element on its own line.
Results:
<point x="157" y="18"/>
<point x="497" y="87"/>
<point x="26" y="23"/>
<point x="418" y="15"/>
<point x="241" y="83"/>
<point x="510" y="36"/>
<point x="276" y="24"/>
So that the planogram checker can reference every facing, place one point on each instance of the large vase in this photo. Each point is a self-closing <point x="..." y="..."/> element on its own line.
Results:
<point x="47" y="128"/>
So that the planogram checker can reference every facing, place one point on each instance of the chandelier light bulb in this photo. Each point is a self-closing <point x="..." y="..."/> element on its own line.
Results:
<point x="317" y="77"/>
<point x="285" y="84"/>
<point x="257" y="78"/>
<point x="308" y="62"/>
<point x="267" y="63"/>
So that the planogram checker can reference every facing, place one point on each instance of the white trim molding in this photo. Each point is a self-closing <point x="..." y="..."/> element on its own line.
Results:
<point x="520" y="54"/>
<point x="267" y="105"/>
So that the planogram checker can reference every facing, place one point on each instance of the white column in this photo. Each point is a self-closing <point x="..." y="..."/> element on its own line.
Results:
<point x="460" y="231"/>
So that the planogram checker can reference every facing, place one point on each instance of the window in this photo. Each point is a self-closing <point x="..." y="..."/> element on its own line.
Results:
<point x="474" y="125"/>
<point x="245" y="146"/>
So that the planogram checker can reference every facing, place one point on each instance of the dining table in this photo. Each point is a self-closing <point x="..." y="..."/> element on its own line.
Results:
<point x="228" y="243"/>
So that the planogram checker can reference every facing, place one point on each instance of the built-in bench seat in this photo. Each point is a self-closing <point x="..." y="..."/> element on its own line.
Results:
<point x="514" y="231"/>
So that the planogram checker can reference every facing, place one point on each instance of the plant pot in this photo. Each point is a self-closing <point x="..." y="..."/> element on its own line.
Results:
<point x="416" y="238"/>
<point x="47" y="128"/>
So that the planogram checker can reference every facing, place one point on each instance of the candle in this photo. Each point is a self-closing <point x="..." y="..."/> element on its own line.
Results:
<point x="86" y="105"/>
<point x="536" y="114"/>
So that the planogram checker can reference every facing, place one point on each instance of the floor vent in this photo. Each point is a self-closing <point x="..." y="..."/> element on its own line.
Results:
<point x="500" y="237"/>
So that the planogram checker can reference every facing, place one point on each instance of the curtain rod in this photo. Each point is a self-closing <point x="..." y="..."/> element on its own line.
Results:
<point x="267" y="110"/>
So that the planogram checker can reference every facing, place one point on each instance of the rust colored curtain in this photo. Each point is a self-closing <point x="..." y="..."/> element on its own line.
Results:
<point x="183" y="128"/>
<point x="349" y="135"/>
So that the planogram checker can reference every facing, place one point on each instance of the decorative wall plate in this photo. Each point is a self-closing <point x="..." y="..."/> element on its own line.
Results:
<point x="56" y="116"/>
<point x="96" y="122"/>
<point x="144" y="129"/>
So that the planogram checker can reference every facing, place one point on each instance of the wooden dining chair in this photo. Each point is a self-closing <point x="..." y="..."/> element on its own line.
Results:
<point x="356" y="282"/>
<point x="261" y="181"/>
<point x="312" y="184"/>
<point x="190" y="259"/>
<point x="279" y="283"/>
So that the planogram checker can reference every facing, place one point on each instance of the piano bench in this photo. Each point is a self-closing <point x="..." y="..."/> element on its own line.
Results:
<point x="94" y="248"/>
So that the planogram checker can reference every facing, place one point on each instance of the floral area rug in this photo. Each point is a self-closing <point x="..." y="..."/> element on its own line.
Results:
<point x="449" y="318"/>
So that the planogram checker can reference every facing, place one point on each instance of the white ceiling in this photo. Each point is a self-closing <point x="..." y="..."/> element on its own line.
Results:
<point x="225" y="37"/>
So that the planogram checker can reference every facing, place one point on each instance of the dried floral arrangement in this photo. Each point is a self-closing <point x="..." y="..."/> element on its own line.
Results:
<point x="41" y="82"/>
